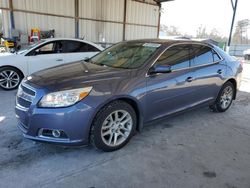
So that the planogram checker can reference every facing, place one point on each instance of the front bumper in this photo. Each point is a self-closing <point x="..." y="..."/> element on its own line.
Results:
<point x="75" y="121"/>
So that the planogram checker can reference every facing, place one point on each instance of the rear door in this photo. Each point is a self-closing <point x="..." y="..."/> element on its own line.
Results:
<point x="171" y="92"/>
<point x="209" y="72"/>
<point x="76" y="50"/>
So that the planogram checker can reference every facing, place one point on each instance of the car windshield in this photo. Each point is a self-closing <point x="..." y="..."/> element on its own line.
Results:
<point x="127" y="55"/>
<point x="25" y="48"/>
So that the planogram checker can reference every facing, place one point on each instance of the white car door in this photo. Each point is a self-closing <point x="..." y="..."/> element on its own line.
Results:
<point x="45" y="56"/>
<point x="76" y="51"/>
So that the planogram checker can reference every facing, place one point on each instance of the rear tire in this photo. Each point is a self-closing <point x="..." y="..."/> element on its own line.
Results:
<point x="10" y="78"/>
<point x="113" y="126"/>
<point x="225" y="98"/>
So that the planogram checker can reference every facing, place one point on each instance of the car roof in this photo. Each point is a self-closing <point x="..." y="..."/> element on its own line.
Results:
<point x="168" y="42"/>
<point x="73" y="39"/>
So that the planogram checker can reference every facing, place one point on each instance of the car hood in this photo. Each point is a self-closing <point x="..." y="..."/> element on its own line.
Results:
<point x="75" y="75"/>
<point x="9" y="58"/>
<point x="6" y="54"/>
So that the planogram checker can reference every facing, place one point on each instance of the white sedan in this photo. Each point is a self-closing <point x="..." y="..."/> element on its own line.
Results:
<point x="44" y="54"/>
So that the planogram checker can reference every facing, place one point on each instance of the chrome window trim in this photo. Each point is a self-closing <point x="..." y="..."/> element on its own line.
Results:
<point x="182" y="43"/>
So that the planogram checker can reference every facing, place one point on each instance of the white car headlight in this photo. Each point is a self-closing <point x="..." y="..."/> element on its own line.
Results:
<point x="64" y="98"/>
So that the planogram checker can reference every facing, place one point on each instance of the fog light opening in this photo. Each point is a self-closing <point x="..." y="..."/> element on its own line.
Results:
<point x="52" y="133"/>
<point x="56" y="133"/>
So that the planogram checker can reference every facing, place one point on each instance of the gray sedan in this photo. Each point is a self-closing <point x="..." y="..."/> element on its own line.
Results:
<point x="106" y="99"/>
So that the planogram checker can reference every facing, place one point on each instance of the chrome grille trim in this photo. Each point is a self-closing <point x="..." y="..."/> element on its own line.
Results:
<point x="21" y="94"/>
<point x="30" y="88"/>
<point x="19" y="107"/>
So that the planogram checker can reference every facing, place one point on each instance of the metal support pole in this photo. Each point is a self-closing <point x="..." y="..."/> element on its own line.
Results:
<point x="12" y="22"/>
<point x="234" y="6"/>
<point x="76" y="18"/>
<point x="159" y="21"/>
<point x="124" y="20"/>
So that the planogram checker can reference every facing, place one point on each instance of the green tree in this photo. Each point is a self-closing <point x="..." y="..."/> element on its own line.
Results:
<point x="201" y="32"/>
<point x="170" y="30"/>
<point x="214" y="34"/>
<point x="240" y="34"/>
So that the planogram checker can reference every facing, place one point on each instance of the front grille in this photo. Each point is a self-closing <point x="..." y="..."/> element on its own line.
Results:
<point x="25" y="96"/>
<point x="28" y="91"/>
<point x="23" y="103"/>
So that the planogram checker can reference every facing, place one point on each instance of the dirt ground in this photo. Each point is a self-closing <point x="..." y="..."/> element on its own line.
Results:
<point x="195" y="149"/>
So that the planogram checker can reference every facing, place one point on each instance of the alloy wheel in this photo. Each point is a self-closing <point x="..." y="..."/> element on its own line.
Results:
<point x="9" y="79"/>
<point x="226" y="97"/>
<point x="116" y="128"/>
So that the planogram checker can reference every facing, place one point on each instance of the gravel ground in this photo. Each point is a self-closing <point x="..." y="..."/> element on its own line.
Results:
<point x="198" y="148"/>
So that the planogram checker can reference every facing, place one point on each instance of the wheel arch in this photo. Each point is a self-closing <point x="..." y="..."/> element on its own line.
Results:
<point x="234" y="82"/>
<point x="137" y="109"/>
<point x="131" y="101"/>
<point x="6" y="66"/>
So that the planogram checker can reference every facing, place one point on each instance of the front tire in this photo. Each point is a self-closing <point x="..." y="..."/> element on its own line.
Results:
<point x="113" y="126"/>
<point x="225" y="98"/>
<point x="10" y="78"/>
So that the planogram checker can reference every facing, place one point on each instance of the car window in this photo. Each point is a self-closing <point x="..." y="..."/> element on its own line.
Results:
<point x="201" y="55"/>
<point x="177" y="57"/>
<point x="216" y="57"/>
<point x="76" y="47"/>
<point x="48" y="48"/>
<point x="59" y="47"/>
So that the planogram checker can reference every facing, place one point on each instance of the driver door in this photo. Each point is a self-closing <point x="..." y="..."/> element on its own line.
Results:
<point x="45" y="56"/>
<point x="168" y="93"/>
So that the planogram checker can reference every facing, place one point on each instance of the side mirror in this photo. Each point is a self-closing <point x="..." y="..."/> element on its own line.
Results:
<point x="160" y="69"/>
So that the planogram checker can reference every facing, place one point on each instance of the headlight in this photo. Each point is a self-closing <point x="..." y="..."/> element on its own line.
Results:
<point x="64" y="98"/>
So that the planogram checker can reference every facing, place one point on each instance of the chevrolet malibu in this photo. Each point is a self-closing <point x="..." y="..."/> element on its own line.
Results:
<point x="106" y="99"/>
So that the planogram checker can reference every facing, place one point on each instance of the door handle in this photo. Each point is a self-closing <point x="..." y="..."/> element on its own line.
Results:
<point x="219" y="71"/>
<point x="59" y="60"/>
<point x="189" y="79"/>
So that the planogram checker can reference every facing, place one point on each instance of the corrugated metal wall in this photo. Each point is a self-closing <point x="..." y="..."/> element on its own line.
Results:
<point x="99" y="20"/>
<point x="5" y="16"/>
<point x="6" y="22"/>
<point x="61" y="7"/>
<point x="109" y="10"/>
<point x="140" y="13"/>
<point x="64" y="27"/>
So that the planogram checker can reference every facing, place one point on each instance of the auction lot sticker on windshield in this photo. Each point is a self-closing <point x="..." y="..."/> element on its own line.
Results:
<point x="152" y="45"/>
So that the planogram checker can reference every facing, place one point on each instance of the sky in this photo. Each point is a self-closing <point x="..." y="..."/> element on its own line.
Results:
<point x="188" y="15"/>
